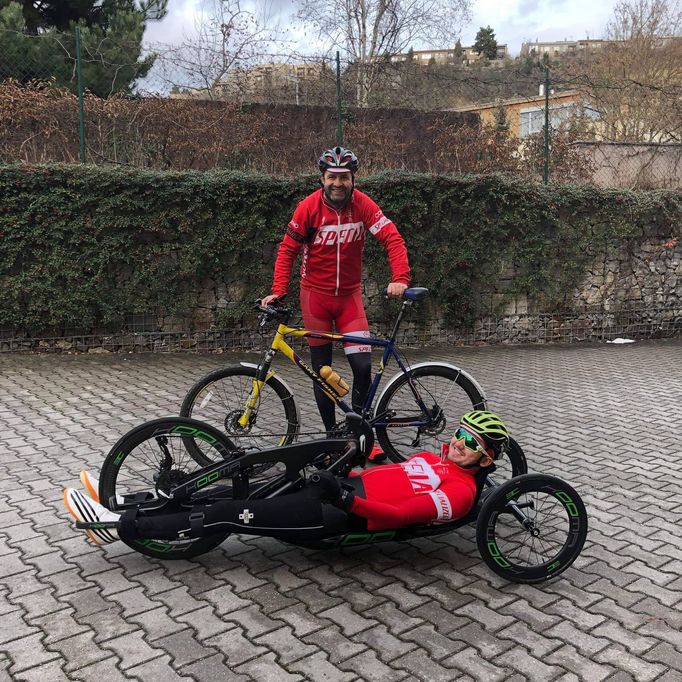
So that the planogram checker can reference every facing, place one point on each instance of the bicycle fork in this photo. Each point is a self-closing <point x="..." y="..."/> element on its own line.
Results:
<point x="251" y="406"/>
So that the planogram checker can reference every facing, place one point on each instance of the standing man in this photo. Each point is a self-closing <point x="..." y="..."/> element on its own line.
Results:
<point x="331" y="226"/>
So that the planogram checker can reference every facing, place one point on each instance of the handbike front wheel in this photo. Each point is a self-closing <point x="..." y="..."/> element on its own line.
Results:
<point x="445" y="391"/>
<point x="149" y="461"/>
<point x="220" y="399"/>
<point x="531" y="528"/>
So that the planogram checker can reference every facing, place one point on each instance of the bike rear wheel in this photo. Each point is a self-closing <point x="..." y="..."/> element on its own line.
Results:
<point x="147" y="462"/>
<point x="551" y="538"/>
<point x="447" y="394"/>
<point x="220" y="397"/>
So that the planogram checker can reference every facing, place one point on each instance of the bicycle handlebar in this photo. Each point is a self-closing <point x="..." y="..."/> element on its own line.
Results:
<point x="272" y="311"/>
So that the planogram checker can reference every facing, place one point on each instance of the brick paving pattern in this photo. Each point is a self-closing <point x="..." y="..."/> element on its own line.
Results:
<point x="606" y="418"/>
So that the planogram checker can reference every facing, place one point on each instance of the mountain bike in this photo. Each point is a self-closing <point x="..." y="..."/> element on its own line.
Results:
<point x="417" y="408"/>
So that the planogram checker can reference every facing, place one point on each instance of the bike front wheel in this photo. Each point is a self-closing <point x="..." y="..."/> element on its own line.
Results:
<point x="403" y="427"/>
<point x="150" y="460"/>
<point x="220" y="399"/>
<point x="531" y="528"/>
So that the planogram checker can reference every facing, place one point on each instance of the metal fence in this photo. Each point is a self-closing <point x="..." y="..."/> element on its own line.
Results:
<point x="67" y="97"/>
<point x="590" y="324"/>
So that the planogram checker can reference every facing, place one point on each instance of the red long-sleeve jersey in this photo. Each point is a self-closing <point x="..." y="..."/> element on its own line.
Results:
<point x="332" y="241"/>
<point x="421" y="490"/>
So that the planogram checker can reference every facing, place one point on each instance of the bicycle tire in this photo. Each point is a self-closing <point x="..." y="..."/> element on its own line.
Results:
<point x="460" y="395"/>
<point x="528" y="556"/>
<point x="511" y="463"/>
<point x="134" y="465"/>
<point x="219" y="398"/>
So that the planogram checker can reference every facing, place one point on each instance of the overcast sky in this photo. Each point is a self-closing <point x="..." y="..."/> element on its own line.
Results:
<point x="514" y="21"/>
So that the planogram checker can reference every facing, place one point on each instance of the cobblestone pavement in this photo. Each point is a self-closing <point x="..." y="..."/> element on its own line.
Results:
<point x="606" y="418"/>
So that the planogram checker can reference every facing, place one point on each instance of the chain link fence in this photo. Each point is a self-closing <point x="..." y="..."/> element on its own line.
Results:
<point x="444" y="114"/>
<point x="589" y="324"/>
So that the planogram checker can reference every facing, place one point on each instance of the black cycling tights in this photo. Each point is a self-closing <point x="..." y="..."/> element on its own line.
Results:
<point x="300" y="516"/>
<point x="360" y="364"/>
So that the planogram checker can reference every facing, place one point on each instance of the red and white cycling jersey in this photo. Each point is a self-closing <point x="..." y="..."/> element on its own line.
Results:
<point x="421" y="490"/>
<point x="332" y="243"/>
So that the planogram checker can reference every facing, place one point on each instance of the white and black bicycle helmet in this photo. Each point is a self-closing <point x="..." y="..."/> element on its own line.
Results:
<point x="339" y="160"/>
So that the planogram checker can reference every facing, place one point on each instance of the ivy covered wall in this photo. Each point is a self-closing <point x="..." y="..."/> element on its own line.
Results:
<point x="87" y="248"/>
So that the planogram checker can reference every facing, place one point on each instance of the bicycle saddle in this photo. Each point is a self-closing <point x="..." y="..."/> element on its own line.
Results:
<point x="416" y="293"/>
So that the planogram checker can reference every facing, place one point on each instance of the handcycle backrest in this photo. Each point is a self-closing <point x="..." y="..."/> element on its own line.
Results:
<point x="480" y="479"/>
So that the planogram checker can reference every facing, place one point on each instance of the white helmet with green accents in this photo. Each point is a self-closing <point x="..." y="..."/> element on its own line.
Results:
<point x="489" y="426"/>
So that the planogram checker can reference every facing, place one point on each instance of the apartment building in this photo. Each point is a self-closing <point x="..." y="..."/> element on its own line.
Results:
<point x="526" y="115"/>
<point x="562" y="47"/>
<point x="448" y="56"/>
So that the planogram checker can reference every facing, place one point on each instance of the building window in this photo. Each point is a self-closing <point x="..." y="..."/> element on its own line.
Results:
<point x="533" y="120"/>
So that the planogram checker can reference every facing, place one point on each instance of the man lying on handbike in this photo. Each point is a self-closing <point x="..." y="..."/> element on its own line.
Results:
<point x="427" y="488"/>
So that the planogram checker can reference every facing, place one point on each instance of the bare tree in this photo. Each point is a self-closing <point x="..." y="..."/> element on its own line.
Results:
<point x="369" y="32"/>
<point x="227" y="40"/>
<point x="634" y="83"/>
<point x="646" y="20"/>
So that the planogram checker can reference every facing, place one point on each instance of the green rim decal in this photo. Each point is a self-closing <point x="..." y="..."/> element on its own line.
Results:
<point x="367" y="538"/>
<point x="497" y="556"/>
<point x="196" y="433"/>
<point x="161" y="546"/>
<point x="568" y="502"/>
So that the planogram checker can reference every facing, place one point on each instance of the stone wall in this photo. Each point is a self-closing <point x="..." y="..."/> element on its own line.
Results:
<point x="633" y="291"/>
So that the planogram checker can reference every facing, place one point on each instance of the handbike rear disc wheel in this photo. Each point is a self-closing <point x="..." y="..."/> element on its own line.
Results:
<point x="511" y="463"/>
<point x="446" y="392"/>
<point x="547" y="543"/>
<point x="148" y="461"/>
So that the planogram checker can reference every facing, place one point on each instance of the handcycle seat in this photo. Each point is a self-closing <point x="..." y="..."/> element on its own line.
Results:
<point x="359" y="523"/>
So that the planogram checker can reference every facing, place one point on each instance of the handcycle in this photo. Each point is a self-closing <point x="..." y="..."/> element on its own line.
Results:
<point x="528" y="529"/>
<point x="256" y="408"/>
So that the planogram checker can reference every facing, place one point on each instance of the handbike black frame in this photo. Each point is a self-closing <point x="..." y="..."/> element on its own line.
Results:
<point x="296" y="457"/>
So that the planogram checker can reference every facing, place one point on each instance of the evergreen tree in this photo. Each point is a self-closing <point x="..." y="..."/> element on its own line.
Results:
<point x="37" y="41"/>
<point x="485" y="42"/>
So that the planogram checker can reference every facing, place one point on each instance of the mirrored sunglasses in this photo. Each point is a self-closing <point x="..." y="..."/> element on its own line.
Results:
<point x="469" y="441"/>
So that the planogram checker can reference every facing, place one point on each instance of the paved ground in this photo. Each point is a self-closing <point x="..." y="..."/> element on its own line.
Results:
<point x="606" y="418"/>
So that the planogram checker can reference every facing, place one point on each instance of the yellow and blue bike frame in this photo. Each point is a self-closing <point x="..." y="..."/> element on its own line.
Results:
<point x="280" y="345"/>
